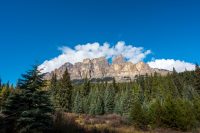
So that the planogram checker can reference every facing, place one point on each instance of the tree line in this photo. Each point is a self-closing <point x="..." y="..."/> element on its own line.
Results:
<point x="149" y="101"/>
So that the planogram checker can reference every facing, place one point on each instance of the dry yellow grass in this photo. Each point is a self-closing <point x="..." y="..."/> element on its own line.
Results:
<point x="113" y="123"/>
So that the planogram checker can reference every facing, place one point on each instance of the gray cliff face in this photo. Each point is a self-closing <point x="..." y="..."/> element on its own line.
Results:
<point x="100" y="68"/>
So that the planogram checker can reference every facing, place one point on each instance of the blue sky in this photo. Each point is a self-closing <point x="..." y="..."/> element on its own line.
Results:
<point x="32" y="30"/>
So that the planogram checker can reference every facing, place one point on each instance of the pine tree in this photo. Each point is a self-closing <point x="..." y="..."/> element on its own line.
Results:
<point x="84" y="94"/>
<point x="155" y="113"/>
<point x="78" y="104"/>
<point x="171" y="87"/>
<point x="65" y="92"/>
<point x="0" y="84"/>
<point x="12" y="108"/>
<point x="177" y="81"/>
<point x="118" y="103"/>
<point x="54" y="90"/>
<point x="5" y="92"/>
<point x="109" y="98"/>
<point x="169" y="112"/>
<point x="137" y="115"/>
<point x="116" y="88"/>
<point x="86" y="87"/>
<point x="99" y="107"/>
<point x="197" y="78"/>
<point x="35" y="114"/>
<point x="127" y="101"/>
<point x="92" y="98"/>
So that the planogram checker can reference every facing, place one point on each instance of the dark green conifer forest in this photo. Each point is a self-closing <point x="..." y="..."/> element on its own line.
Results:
<point x="148" y="102"/>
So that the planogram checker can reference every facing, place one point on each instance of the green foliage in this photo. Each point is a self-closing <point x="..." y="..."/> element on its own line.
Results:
<point x="78" y="104"/>
<point x="196" y="107"/>
<point x="155" y="113"/>
<point x="170" y="112"/>
<point x="118" y="104"/>
<point x="86" y="88"/>
<point x="54" y="90"/>
<point x="170" y="101"/>
<point x="65" y="92"/>
<point x="197" y="78"/>
<point x="138" y="114"/>
<point x="185" y="118"/>
<point x="126" y="102"/>
<point x="109" y="98"/>
<point x="12" y="108"/>
<point x="29" y="109"/>
<point x="96" y="105"/>
<point x="6" y="91"/>
<point x="178" y="113"/>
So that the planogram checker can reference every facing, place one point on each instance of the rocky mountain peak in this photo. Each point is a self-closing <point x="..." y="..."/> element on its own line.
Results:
<point x="141" y="65"/>
<point x="118" y="60"/>
<point x="100" y="68"/>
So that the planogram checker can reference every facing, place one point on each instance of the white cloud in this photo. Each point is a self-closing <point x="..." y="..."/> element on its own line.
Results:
<point x="168" y="64"/>
<point x="94" y="50"/>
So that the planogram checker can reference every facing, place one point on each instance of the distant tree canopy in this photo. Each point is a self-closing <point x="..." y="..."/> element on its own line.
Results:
<point x="170" y="101"/>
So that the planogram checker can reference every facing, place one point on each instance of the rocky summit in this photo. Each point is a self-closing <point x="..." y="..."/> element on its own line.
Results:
<point x="100" y="68"/>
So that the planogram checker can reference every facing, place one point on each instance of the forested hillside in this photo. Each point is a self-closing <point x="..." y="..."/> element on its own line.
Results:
<point x="149" y="102"/>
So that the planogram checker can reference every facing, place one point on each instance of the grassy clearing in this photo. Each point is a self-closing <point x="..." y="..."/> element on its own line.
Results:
<point x="108" y="124"/>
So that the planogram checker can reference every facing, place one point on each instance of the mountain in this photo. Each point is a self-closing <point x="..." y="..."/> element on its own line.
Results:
<point x="100" y="68"/>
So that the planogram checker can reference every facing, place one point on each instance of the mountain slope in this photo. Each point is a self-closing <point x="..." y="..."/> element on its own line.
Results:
<point x="100" y="68"/>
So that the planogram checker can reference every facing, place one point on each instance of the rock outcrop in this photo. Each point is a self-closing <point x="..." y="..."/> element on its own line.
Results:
<point x="100" y="68"/>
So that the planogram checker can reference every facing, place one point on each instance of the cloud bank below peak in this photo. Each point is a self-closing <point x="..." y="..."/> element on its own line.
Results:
<point x="95" y="50"/>
<point x="169" y="64"/>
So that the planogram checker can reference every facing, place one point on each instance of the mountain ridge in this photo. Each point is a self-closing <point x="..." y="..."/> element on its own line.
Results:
<point x="119" y="69"/>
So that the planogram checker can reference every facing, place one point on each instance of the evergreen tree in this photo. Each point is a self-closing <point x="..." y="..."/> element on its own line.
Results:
<point x="54" y="90"/>
<point x="99" y="108"/>
<point x="65" y="92"/>
<point x="12" y="109"/>
<point x="34" y="113"/>
<point x="127" y="101"/>
<point x="78" y="104"/>
<point x="169" y="112"/>
<point x="86" y="87"/>
<point x="118" y="103"/>
<point x="84" y="94"/>
<point x="109" y="98"/>
<point x="197" y="78"/>
<point x="185" y="119"/>
<point x="116" y="88"/>
<point x="155" y="113"/>
<point x="137" y="115"/>
<point x="0" y="84"/>
<point x="4" y="94"/>
<point x="171" y="86"/>
<point x="177" y="81"/>
<point x="92" y="99"/>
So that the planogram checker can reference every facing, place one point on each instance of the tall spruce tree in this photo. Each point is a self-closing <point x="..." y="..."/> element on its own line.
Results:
<point x="109" y="98"/>
<point x="54" y="90"/>
<point x="65" y="92"/>
<point x="118" y="103"/>
<point x="92" y="100"/>
<point x="127" y="101"/>
<point x="34" y="110"/>
<point x="12" y="109"/>
<point x="84" y="94"/>
<point x="86" y="87"/>
<point x="177" y="81"/>
<point x="78" y="103"/>
<point x="37" y="111"/>
<point x="116" y="88"/>
<point x="197" y="78"/>
<point x="0" y="84"/>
